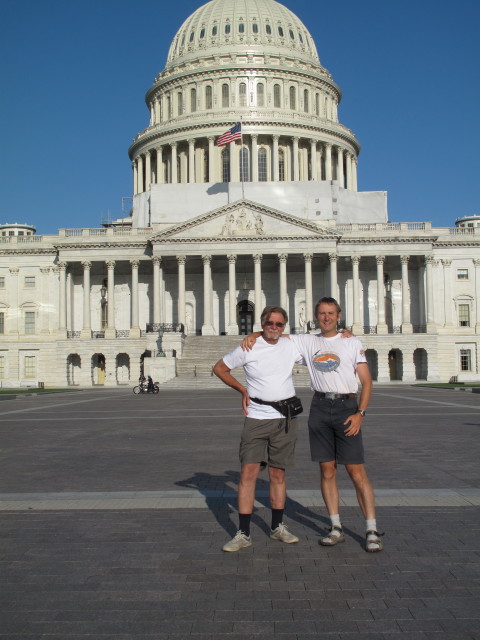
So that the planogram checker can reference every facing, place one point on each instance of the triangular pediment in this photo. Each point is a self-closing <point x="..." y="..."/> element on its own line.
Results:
<point x="244" y="220"/>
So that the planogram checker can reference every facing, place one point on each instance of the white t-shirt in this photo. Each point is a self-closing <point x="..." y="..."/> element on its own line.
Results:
<point x="331" y="362"/>
<point x="268" y="373"/>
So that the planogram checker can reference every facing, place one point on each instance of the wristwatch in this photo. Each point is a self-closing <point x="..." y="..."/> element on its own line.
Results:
<point x="362" y="412"/>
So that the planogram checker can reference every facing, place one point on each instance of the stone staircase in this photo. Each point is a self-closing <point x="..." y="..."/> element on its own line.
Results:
<point x="200" y="353"/>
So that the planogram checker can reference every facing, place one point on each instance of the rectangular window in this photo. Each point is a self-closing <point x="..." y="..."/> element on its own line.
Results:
<point x="29" y="322"/>
<point x="2" y="367"/>
<point x="30" y="282"/>
<point x="30" y="367"/>
<point x="2" y="322"/>
<point x="465" y="360"/>
<point x="464" y="315"/>
<point x="2" y="282"/>
<point x="462" y="274"/>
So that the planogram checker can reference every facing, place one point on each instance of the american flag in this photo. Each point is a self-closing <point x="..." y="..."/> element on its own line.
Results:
<point x="235" y="133"/>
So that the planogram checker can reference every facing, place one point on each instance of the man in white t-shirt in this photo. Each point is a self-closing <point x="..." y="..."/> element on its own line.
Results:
<point x="336" y="416"/>
<point x="267" y="435"/>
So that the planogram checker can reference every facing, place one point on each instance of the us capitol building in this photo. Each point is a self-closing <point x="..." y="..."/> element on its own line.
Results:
<point x="217" y="232"/>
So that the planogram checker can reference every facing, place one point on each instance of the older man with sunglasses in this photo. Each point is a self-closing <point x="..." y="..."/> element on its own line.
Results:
<point x="267" y="436"/>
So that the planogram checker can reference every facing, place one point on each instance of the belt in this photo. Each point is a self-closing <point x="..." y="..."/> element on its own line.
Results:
<point x="334" y="396"/>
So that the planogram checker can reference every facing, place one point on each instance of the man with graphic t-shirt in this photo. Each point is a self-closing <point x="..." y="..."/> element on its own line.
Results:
<point x="267" y="434"/>
<point x="336" y="416"/>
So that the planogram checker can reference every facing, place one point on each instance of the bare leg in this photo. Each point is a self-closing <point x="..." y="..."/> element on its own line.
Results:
<point x="246" y="489"/>
<point x="328" y="483"/>
<point x="364" y="489"/>
<point x="278" y="488"/>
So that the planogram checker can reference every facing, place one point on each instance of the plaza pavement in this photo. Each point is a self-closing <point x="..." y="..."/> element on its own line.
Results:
<point x="114" y="509"/>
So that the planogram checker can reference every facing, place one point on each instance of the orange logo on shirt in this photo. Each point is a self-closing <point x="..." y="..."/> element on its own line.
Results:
<point x="326" y="362"/>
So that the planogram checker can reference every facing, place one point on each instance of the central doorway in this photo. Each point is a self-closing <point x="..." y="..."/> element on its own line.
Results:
<point x="245" y="313"/>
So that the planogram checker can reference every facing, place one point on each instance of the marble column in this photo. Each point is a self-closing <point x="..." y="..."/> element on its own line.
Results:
<point x="156" y="261"/>
<point x="429" y="262"/>
<point x="313" y="159"/>
<point x="333" y="257"/>
<point x="254" y="158"/>
<point x="354" y="174"/>
<point x="308" y="257"/>
<point x="476" y="264"/>
<point x="406" y="320"/>
<point x="110" y="331"/>
<point x="382" y="327"/>
<point x="173" y="163"/>
<point x="181" y="290"/>
<point x="276" y="165"/>
<point x="135" y="324"/>
<point x="211" y="159"/>
<point x="191" y="160"/>
<point x="348" y="165"/>
<point x="207" y="327"/>
<point x="357" y="326"/>
<point x="232" y="329"/>
<point x="62" y="300"/>
<point x="296" y="168"/>
<point x="257" y="261"/>
<point x="148" y="170"/>
<point x="135" y="177"/>
<point x="328" y="161"/>
<point x="86" y="333"/>
<point x="160" y="177"/>
<point x="140" y="188"/>
<point x="282" y="261"/>
<point x="340" y="176"/>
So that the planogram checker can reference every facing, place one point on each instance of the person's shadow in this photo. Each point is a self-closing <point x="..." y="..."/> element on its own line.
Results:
<point x="220" y="492"/>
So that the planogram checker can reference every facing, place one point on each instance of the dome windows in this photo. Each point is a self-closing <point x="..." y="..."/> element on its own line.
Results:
<point x="292" y="35"/>
<point x="208" y="97"/>
<point x="292" y="95"/>
<point x="276" y="96"/>
<point x="242" y="94"/>
<point x="225" y="95"/>
<point x="268" y="30"/>
<point x="241" y="27"/>
<point x="214" y="30"/>
<point x="300" y="37"/>
<point x="202" y="33"/>
<point x="280" y="32"/>
<point x="227" y="29"/>
<point x="255" y="27"/>
<point x="260" y="95"/>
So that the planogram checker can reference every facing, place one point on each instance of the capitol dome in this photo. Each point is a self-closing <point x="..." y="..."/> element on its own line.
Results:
<point x="262" y="26"/>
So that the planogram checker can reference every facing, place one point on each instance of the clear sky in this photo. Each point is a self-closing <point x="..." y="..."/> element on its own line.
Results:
<point x="74" y="76"/>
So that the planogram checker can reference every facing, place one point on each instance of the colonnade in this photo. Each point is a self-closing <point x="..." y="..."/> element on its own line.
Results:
<point x="209" y="326"/>
<point x="257" y="159"/>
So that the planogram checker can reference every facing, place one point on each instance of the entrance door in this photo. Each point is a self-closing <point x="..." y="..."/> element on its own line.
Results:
<point x="245" y="317"/>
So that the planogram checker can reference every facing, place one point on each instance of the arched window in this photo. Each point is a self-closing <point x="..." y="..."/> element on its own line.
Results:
<point x="226" y="164"/>
<point x="242" y="94"/>
<point x="192" y="36"/>
<point x="208" y="97"/>
<point x="292" y="35"/>
<point x="169" y="107"/>
<point x="305" y="100"/>
<point x="244" y="165"/>
<point x="255" y="27"/>
<point x="202" y="33"/>
<point x="262" y="164"/>
<point x="225" y="95"/>
<point x="280" y="31"/>
<point x="317" y="104"/>
<point x="293" y="102"/>
<point x="214" y="30"/>
<point x="193" y="100"/>
<point x="276" y="96"/>
<point x="241" y="27"/>
<point x="179" y="103"/>
<point x="260" y="95"/>
<point x="300" y="37"/>
<point x="281" y="165"/>
<point x="268" y="29"/>
<point x="227" y="28"/>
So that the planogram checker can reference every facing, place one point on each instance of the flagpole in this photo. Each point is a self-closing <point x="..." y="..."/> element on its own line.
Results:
<point x="241" y="155"/>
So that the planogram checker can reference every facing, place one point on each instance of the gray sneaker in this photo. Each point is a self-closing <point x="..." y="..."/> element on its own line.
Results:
<point x="239" y="541"/>
<point x="282" y="534"/>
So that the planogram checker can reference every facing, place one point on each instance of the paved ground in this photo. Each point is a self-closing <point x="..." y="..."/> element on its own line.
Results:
<point x="114" y="509"/>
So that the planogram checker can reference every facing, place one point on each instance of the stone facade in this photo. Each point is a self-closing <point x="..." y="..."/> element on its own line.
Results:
<point x="216" y="233"/>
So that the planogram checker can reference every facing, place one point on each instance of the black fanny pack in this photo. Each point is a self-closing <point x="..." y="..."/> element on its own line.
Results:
<point x="290" y="408"/>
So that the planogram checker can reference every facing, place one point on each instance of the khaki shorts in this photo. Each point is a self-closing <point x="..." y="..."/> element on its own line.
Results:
<point x="268" y="441"/>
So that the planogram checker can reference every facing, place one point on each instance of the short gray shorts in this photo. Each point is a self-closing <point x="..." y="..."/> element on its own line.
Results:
<point x="268" y="441"/>
<point x="327" y="432"/>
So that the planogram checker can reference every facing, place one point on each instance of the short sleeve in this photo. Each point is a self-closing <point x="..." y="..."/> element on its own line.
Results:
<point x="235" y="358"/>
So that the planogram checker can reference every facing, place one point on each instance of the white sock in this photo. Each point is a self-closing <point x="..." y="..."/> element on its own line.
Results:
<point x="371" y="525"/>
<point x="335" y="520"/>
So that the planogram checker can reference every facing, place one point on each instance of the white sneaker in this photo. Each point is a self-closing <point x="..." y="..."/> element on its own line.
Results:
<point x="283" y="534"/>
<point x="239" y="541"/>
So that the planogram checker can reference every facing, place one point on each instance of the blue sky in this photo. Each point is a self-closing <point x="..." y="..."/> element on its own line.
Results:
<point x="74" y="76"/>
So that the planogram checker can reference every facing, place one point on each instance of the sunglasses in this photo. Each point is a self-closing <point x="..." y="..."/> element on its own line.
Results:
<point x="270" y="323"/>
